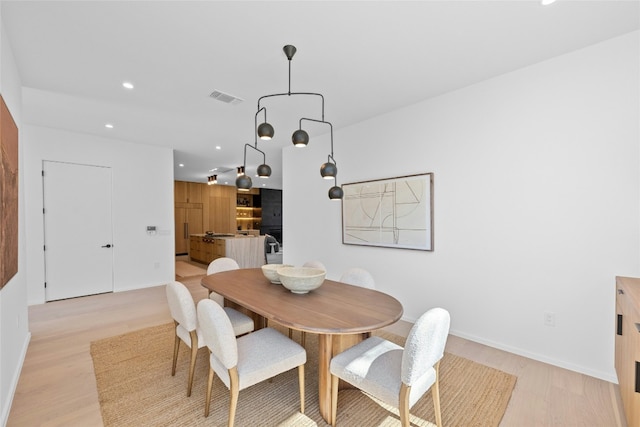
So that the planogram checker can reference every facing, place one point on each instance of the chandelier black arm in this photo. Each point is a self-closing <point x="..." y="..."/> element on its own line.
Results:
<point x="255" y="134"/>
<point x="320" y="121"/>
<point x="289" y="94"/>
<point x="264" y="157"/>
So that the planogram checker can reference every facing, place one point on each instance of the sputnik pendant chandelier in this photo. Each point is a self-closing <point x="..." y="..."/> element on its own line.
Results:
<point x="300" y="138"/>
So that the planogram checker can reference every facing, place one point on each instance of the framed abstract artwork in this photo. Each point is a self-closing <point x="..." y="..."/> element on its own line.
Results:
<point x="8" y="195"/>
<point x="392" y="212"/>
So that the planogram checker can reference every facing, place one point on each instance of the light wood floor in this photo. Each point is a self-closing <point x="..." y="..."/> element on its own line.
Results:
<point x="57" y="385"/>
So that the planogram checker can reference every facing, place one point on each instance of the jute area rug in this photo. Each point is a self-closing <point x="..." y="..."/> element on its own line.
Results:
<point x="184" y="269"/>
<point x="135" y="387"/>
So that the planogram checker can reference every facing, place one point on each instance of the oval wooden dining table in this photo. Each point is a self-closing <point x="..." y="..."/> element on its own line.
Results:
<point x="342" y="315"/>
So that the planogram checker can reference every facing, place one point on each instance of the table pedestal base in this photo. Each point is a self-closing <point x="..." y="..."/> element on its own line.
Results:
<point x="329" y="346"/>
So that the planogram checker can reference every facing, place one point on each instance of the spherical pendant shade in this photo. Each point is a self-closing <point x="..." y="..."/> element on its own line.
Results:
<point x="335" y="193"/>
<point x="264" y="171"/>
<point x="328" y="170"/>
<point x="300" y="138"/>
<point x="243" y="182"/>
<point x="265" y="131"/>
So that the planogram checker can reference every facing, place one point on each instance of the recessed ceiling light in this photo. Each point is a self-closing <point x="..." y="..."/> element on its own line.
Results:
<point x="181" y="165"/>
<point x="109" y="126"/>
<point x="218" y="147"/>
<point x="547" y="2"/>
<point x="213" y="170"/>
<point x="127" y="85"/>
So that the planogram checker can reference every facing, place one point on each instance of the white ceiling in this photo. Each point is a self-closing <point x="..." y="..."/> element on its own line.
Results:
<point x="365" y="58"/>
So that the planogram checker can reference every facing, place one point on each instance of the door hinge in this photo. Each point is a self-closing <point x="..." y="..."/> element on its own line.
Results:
<point x="43" y="173"/>
<point x="45" y="285"/>
<point x="44" y="247"/>
<point x="43" y="210"/>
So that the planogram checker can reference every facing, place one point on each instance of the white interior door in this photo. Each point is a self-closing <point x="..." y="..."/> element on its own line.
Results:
<point x="77" y="230"/>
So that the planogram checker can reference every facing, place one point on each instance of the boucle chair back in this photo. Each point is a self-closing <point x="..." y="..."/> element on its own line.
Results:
<point x="315" y="264"/>
<point x="358" y="277"/>
<point x="222" y="264"/>
<point x="425" y="344"/>
<point x="181" y="305"/>
<point x="217" y="266"/>
<point x="217" y="332"/>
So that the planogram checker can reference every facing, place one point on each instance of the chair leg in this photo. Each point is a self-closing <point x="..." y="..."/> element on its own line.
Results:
<point x="192" y="365"/>
<point x="334" y="399"/>
<point x="233" y="404"/>
<point x="301" y="384"/>
<point x="303" y="338"/>
<point x="176" y="346"/>
<point x="403" y="406"/>
<point x="207" y="401"/>
<point x="435" y="392"/>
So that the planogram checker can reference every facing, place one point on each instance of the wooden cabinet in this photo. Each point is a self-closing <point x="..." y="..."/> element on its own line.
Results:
<point x="187" y="192"/>
<point x="199" y="208"/>
<point x="195" y="250"/>
<point x="627" y="346"/>
<point x="187" y="221"/>
<point x="221" y="209"/>
<point x="205" y="250"/>
<point x="247" y="251"/>
<point x="219" y="248"/>
<point x="188" y="215"/>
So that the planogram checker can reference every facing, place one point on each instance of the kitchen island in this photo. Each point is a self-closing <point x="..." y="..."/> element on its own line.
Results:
<point x="247" y="250"/>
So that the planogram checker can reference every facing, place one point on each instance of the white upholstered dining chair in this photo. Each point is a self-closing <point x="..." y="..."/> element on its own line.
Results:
<point x="358" y="277"/>
<point x="397" y="376"/>
<point x="248" y="360"/>
<point x="315" y="264"/>
<point x="183" y="312"/>
<point x="216" y="266"/>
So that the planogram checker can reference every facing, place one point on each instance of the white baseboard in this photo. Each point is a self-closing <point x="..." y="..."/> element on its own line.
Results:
<point x="606" y="376"/>
<point x="6" y="405"/>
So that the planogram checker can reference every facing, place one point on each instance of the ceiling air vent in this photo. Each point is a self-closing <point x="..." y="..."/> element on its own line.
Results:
<point x="225" y="97"/>
<point x="221" y="169"/>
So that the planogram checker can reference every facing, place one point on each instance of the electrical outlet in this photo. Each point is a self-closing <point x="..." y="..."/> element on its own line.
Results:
<point x="550" y="319"/>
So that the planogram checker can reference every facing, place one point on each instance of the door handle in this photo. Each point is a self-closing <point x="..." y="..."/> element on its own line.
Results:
<point x="108" y="245"/>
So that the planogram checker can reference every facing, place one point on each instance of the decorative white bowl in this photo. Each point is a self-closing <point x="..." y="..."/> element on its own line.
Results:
<point x="270" y="271"/>
<point x="301" y="280"/>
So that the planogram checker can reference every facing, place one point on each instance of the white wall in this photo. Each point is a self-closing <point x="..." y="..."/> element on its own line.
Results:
<point x="14" y="334"/>
<point x="142" y="195"/>
<point x="536" y="204"/>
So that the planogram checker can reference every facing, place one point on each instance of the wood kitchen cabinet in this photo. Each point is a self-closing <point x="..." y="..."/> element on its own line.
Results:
<point x="195" y="251"/>
<point x="205" y="250"/>
<point x="188" y="221"/>
<point x="188" y="213"/>
<point x="201" y="207"/>
<point x="221" y="209"/>
<point x="248" y="251"/>
<point x="627" y="346"/>
<point x="187" y="192"/>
